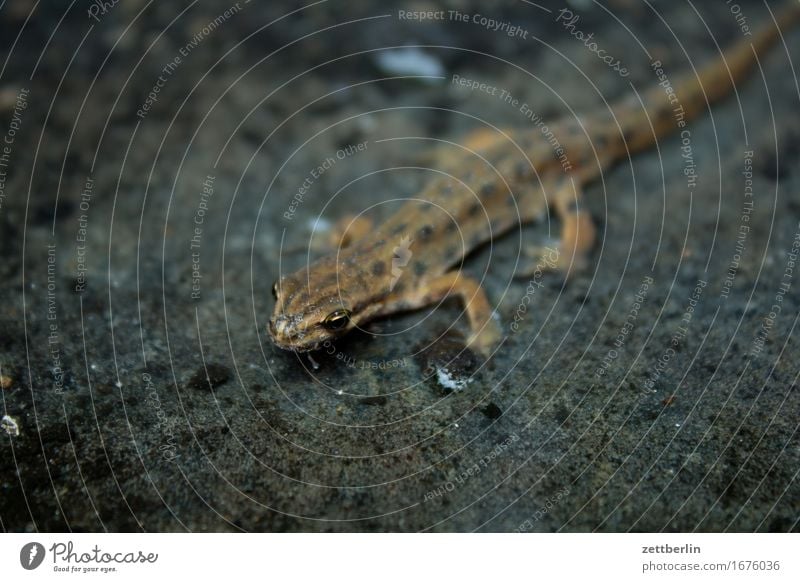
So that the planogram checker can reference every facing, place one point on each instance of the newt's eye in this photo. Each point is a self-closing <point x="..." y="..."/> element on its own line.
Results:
<point x="337" y="320"/>
<point x="275" y="291"/>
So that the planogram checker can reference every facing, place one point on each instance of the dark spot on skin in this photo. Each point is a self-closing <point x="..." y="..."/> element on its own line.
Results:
<point x="572" y="205"/>
<point x="425" y="232"/>
<point x="474" y="208"/>
<point x="297" y="298"/>
<point x="523" y="169"/>
<point x="601" y="141"/>
<point x="451" y="226"/>
<point x="399" y="228"/>
<point x="487" y="189"/>
<point x="378" y="268"/>
<point x="399" y="287"/>
<point x="424" y="206"/>
<point x="420" y="268"/>
<point x="446" y="189"/>
<point x="511" y="201"/>
<point x="629" y="135"/>
<point x="327" y="281"/>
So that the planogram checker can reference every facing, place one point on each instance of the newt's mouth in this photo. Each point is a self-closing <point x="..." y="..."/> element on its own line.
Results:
<point x="285" y="340"/>
<point x="299" y="348"/>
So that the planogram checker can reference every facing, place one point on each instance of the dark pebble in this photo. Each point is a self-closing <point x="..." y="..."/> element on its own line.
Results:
<point x="217" y="375"/>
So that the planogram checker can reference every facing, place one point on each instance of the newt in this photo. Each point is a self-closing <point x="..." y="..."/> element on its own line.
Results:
<point x="499" y="180"/>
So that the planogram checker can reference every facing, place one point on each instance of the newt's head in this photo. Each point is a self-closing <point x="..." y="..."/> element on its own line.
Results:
<point x="319" y="303"/>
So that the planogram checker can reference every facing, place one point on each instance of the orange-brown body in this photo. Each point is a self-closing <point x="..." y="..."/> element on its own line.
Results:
<point x="500" y="179"/>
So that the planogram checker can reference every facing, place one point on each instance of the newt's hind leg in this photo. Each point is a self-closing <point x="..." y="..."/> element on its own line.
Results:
<point x="485" y="332"/>
<point x="578" y="232"/>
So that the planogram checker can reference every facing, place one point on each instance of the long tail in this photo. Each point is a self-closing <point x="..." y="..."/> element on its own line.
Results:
<point x="694" y="92"/>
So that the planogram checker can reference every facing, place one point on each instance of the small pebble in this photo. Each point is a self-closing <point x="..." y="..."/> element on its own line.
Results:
<point x="450" y="381"/>
<point x="409" y="61"/>
<point x="217" y="375"/>
<point x="492" y="411"/>
<point x="449" y="363"/>
<point x="6" y="382"/>
<point x="10" y="425"/>
<point x="373" y="400"/>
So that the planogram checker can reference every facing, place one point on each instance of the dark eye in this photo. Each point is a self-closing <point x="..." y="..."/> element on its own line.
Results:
<point x="337" y="320"/>
<point x="275" y="291"/>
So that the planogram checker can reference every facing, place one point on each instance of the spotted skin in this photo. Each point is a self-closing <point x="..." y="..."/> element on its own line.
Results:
<point x="499" y="179"/>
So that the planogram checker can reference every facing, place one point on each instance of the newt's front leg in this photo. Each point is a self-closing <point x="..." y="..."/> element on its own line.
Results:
<point x="485" y="332"/>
